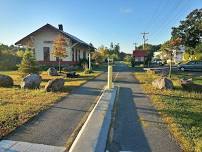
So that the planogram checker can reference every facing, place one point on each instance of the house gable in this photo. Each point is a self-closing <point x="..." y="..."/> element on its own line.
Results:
<point x="74" y="39"/>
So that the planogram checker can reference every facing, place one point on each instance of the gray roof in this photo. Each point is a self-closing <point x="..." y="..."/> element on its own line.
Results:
<point x="74" y="38"/>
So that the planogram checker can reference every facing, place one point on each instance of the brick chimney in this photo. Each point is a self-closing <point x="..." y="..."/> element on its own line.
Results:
<point x="60" y="27"/>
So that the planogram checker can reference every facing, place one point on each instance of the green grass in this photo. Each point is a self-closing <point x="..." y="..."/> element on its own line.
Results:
<point x="19" y="105"/>
<point x="181" y="110"/>
<point x="196" y="76"/>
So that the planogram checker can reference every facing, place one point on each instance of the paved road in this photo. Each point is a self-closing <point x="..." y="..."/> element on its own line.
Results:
<point x="138" y="127"/>
<point x="55" y="125"/>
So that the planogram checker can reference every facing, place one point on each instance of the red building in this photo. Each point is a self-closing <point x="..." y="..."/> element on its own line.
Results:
<point x="140" y="55"/>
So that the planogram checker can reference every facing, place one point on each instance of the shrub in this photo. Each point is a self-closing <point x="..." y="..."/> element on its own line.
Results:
<point x="83" y="63"/>
<point x="132" y="63"/>
<point x="28" y="64"/>
<point x="9" y="61"/>
<point x="88" y="71"/>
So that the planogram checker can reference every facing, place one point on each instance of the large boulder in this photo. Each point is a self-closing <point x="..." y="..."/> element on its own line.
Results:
<point x="189" y="85"/>
<point x="5" y="81"/>
<point x="52" y="72"/>
<point x="31" y="81"/>
<point x="55" y="85"/>
<point x="162" y="83"/>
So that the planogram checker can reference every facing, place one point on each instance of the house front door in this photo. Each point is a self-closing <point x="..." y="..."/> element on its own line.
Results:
<point x="46" y="54"/>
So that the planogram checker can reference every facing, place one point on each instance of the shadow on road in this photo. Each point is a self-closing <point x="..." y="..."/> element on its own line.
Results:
<point x="128" y="132"/>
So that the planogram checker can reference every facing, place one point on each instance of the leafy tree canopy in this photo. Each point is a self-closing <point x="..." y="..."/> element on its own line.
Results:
<point x="59" y="47"/>
<point x="190" y="30"/>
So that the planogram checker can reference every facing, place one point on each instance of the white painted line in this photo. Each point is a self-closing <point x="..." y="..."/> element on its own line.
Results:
<point x="116" y="76"/>
<point x="19" y="146"/>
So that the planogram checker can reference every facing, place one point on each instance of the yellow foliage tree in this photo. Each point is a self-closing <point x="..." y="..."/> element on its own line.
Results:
<point x="59" y="48"/>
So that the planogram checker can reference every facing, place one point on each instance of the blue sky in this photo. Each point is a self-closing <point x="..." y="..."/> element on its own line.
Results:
<point x="96" y="21"/>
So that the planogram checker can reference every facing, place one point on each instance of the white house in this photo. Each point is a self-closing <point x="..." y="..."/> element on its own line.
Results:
<point x="177" y="55"/>
<point x="41" y="41"/>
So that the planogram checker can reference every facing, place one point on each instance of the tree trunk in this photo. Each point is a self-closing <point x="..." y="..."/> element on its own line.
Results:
<point x="170" y="70"/>
<point x="59" y="66"/>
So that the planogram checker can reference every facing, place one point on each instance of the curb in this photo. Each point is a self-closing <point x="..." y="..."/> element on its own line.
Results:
<point x="94" y="133"/>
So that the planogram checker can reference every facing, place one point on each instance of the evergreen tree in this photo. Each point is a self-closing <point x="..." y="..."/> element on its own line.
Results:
<point x="28" y="64"/>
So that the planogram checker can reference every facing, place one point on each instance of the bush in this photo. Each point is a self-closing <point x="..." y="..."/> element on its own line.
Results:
<point x="132" y="63"/>
<point x="9" y="61"/>
<point x="88" y="71"/>
<point x="28" y="64"/>
<point x="128" y="58"/>
<point x="83" y="63"/>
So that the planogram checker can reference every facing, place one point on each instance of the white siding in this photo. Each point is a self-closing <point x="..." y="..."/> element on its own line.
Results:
<point x="39" y="39"/>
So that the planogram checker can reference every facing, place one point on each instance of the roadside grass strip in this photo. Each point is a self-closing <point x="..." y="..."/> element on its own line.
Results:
<point x="181" y="110"/>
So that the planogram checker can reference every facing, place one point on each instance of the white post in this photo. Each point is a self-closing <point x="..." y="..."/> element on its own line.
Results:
<point x="109" y="84"/>
<point x="89" y="64"/>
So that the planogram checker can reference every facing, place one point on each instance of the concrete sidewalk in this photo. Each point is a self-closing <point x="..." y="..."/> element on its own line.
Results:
<point x="55" y="125"/>
<point x="137" y="126"/>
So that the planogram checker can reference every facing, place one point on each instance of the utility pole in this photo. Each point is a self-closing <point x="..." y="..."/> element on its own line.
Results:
<point x="135" y="45"/>
<point x="144" y="38"/>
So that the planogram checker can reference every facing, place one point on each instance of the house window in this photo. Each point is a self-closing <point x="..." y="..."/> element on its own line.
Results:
<point x="46" y="54"/>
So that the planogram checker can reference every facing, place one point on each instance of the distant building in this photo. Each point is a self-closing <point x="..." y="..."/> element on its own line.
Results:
<point x="140" y="56"/>
<point x="41" y="41"/>
<point x="178" y="54"/>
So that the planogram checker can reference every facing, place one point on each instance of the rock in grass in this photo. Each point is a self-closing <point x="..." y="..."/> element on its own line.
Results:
<point x="52" y="72"/>
<point x="55" y="85"/>
<point x="31" y="81"/>
<point x="5" y="81"/>
<point x="189" y="85"/>
<point x="162" y="83"/>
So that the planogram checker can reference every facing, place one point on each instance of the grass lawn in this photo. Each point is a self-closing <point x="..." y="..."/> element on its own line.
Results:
<point x="181" y="110"/>
<point x="196" y="76"/>
<point x="18" y="105"/>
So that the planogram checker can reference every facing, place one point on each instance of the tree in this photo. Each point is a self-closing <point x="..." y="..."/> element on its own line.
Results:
<point x="167" y="50"/>
<point x="20" y="53"/>
<point x="117" y="48"/>
<point x="59" y="48"/>
<point x="190" y="30"/>
<point x="122" y="55"/>
<point x="128" y="58"/>
<point x="104" y="51"/>
<point x="97" y="57"/>
<point x="114" y="56"/>
<point x="28" y="64"/>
